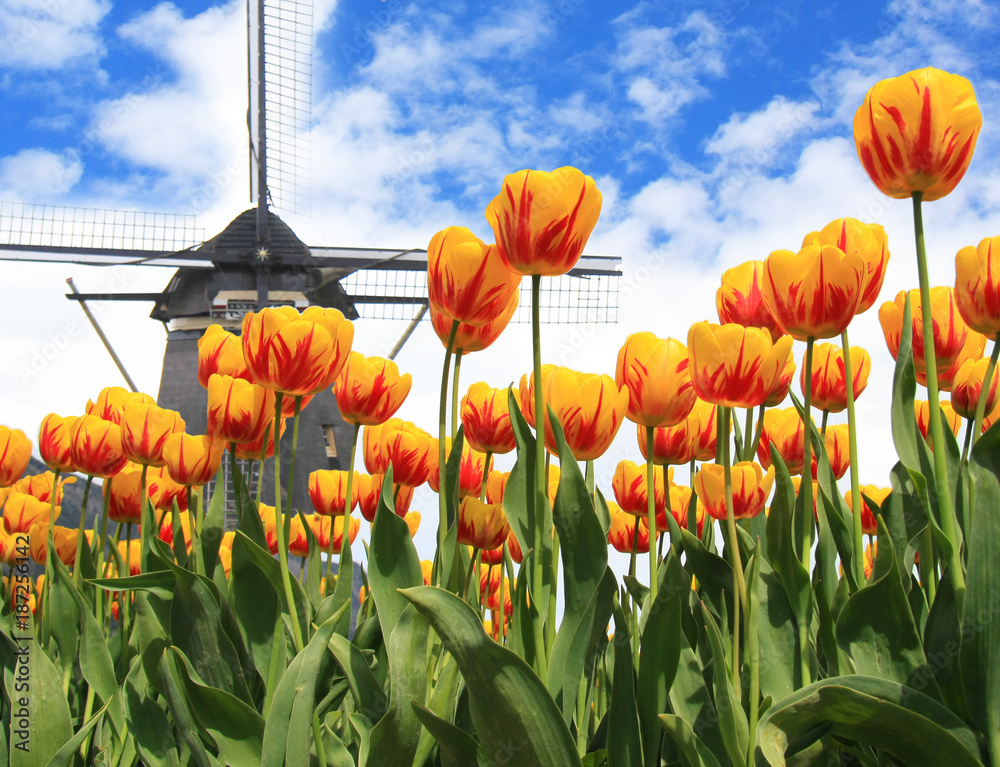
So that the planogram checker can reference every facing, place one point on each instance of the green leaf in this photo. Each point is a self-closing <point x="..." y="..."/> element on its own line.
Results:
<point x="879" y="713"/>
<point x="210" y="535"/>
<point x="343" y="592"/>
<point x="254" y="599"/>
<point x="236" y="728"/>
<point x="158" y="582"/>
<point x="395" y="736"/>
<point x="369" y="698"/>
<point x="732" y="719"/>
<point x="456" y="747"/>
<point x="184" y="721"/>
<point x="393" y="561"/>
<point x="876" y="627"/>
<point x="441" y="703"/>
<point x="714" y="574"/>
<point x="692" y="751"/>
<point x="980" y="653"/>
<point x="147" y="722"/>
<point x="779" y="662"/>
<point x="904" y="387"/>
<point x="690" y="700"/>
<point x="624" y="738"/>
<point x="509" y="704"/>
<point x="66" y="756"/>
<point x="905" y="519"/>
<point x="659" y="652"/>
<point x="588" y="583"/>
<point x="36" y="689"/>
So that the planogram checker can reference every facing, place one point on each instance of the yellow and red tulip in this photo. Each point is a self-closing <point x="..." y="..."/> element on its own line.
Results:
<point x="735" y="366"/>
<point x="631" y="489"/>
<point x="55" y="442"/>
<point x="783" y="382"/>
<point x="740" y="300"/>
<point x="15" y="452"/>
<point x="968" y="387"/>
<point x="238" y="411"/>
<point x="496" y="483"/>
<point x="813" y="293"/>
<point x="40" y="486"/>
<point x="838" y="450"/>
<point x="867" y="241"/>
<point x="470" y="338"/>
<point x="370" y="389"/>
<point x="482" y="525"/>
<point x="977" y="286"/>
<point x="625" y="528"/>
<point x="370" y="490"/>
<point x="542" y="221"/>
<point x="466" y="278"/>
<point x="470" y="469"/>
<point x="751" y="487"/>
<point x="782" y="429"/>
<point x="166" y="531"/>
<point x="657" y="374"/>
<point x="973" y="348"/>
<point x="226" y="551"/>
<point x="486" y="418"/>
<point x="220" y="352"/>
<point x="869" y="524"/>
<point x="296" y="353"/>
<point x="268" y="518"/>
<point x="251" y="451"/>
<point x="322" y="525"/>
<point x="922" y="412"/>
<point x="97" y="446"/>
<point x="950" y="331"/>
<point x="917" y="133"/>
<point x="21" y="511"/>
<point x="829" y="385"/>
<point x="328" y="491"/>
<point x="193" y="460"/>
<point x="113" y="400"/>
<point x="145" y="429"/>
<point x="125" y="502"/>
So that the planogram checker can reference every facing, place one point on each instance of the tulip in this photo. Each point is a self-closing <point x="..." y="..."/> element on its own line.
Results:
<point x="97" y="446"/>
<point x="8" y="549"/>
<point x="672" y="445"/>
<point x="486" y="417"/>
<point x="412" y="520"/>
<point x="370" y="389"/>
<point x="192" y="460"/>
<point x="328" y="492"/>
<point x="220" y="353"/>
<point x="125" y="501"/>
<point x="865" y="240"/>
<point x="496" y="483"/>
<point x="706" y="434"/>
<point x="950" y="330"/>
<point x="829" y="387"/>
<point x="470" y="338"/>
<point x="631" y="489"/>
<point x="467" y="279"/>
<point x="298" y="541"/>
<point x="751" y="487"/>
<point x="916" y="133"/>
<point x="470" y="469"/>
<point x="321" y="526"/>
<point x="489" y="580"/>
<point x="589" y="407"/>
<point x="657" y="375"/>
<point x="678" y="503"/>
<point x="627" y="530"/>
<point x="871" y="495"/>
<point x="40" y="486"/>
<point x="735" y="366"/>
<point x="542" y="221"/>
<point x="55" y="442"/>
<point x="251" y="451"/>
<point x="813" y="293"/>
<point x="426" y="567"/>
<point x="977" y="287"/>
<point x="21" y="511"/>
<point x="370" y="490"/>
<point x="15" y="452"/>
<point x="972" y="349"/>
<point x="481" y="525"/>
<point x="783" y="429"/>
<point x="783" y="382"/>
<point x="838" y="451"/>
<point x="166" y="531"/>
<point x="238" y="411"/>
<point x="226" y="551"/>
<point x="922" y="412"/>
<point x="740" y="300"/>
<point x="293" y="353"/>
<point x="145" y="429"/>
<point x="113" y="400"/>
<point x="405" y="447"/>
<point x="268" y="518"/>
<point x="968" y="387"/>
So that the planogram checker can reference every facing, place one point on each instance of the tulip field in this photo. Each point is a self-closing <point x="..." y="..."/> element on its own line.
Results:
<point x="775" y="611"/>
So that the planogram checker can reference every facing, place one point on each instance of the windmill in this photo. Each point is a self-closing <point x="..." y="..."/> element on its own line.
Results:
<point x="257" y="260"/>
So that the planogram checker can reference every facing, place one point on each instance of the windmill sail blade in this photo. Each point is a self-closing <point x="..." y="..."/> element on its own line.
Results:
<point x="97" y="237"/>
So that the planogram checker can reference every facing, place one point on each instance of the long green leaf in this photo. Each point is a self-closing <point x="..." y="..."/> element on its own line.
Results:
<point x="147" y="722"/>
<point x="455" y="746"/>
<point x="690" y="748"/>
<point x="732" y="719"/>
<point x="879" y="713"/>
<point x="624" y="737"/>
<point x="512" y="711"/>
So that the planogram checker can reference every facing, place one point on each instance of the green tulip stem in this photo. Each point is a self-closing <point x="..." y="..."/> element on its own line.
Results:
<point x="692" y="519"/>
<point x="949" y="523"/>
<point x="740" y="595"/>
<point x="550" y="623"/>
<point x="348" y="506"/>
<point x="295" y="444"/>
<point x="651" y="511"/>
<point x="852" y="429"/>
<point x="588" y="480"/>
<point x="144" y="531"/>
<point x="720" y="435"/>
<point x="541" y="488"/>
<point x="263" y="457"/>
<point x="804" y="531"/>
<point x="442" y="453"/>
<point x="125" y="597"/>
<point x="279" y="527"/>
<point x="984" y="391"/>
<point x="635" y="549"/>
<point x="468" y="575"/>
<point x="758" y="433"/>
<point x="81" y="533"/>
<point x="454" y="392"/>
<point x="748" y="436"/>
<point x="49" y="552"/>
<point x="508" y="565"/>
<point x="317" y="733"/>
<point x="486" y="476"/>
<point x="753" y="659"/>
<point x="822" y="423"/>
<point x="101" y="542"/>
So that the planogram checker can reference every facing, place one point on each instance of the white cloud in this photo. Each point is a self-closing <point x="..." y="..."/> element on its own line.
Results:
<point x="46" y="34"/>
<point x="758" y="137"/>
<point x="38" y="174"/>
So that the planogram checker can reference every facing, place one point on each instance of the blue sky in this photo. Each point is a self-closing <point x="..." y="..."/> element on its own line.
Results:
<point x="717" y="131"/>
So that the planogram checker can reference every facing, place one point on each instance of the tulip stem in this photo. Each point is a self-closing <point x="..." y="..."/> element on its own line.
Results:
<point x="692" y="519"/>
<point x="454" y="393"/>
<point x="984" y="392"/>
<point x="486" y="476"/>
<point x="348" y="507"/>
<point x="295" y="445"/>
<point x="651" y="512"/>
<point x="442" y="457"/>
<point x="635" y="549"/>
<point x="541" y="489"/>
<point x="949" y="524"/>
<point x="279" y="527"/>
<point x="822" y="423"/>
<point x="806" y="522"/>
<point x="758" y="432"/>
<point x="740" y="593"/>
<point x="81" y="533"/>
<point x="856" y="499"/>
<point x="102" y="543"/>
<point x="49" y="552"/>
<point x="748" y="436"/>
<point x="263" y="457"/>
<point x="468" y="575"/>
<point x="125" y="597"/>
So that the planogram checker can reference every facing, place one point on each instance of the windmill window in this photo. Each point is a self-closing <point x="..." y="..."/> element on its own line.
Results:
<point x="330" y="442"/>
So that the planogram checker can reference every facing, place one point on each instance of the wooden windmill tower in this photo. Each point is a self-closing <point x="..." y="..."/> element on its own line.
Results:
<point x="257" y="260"/>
